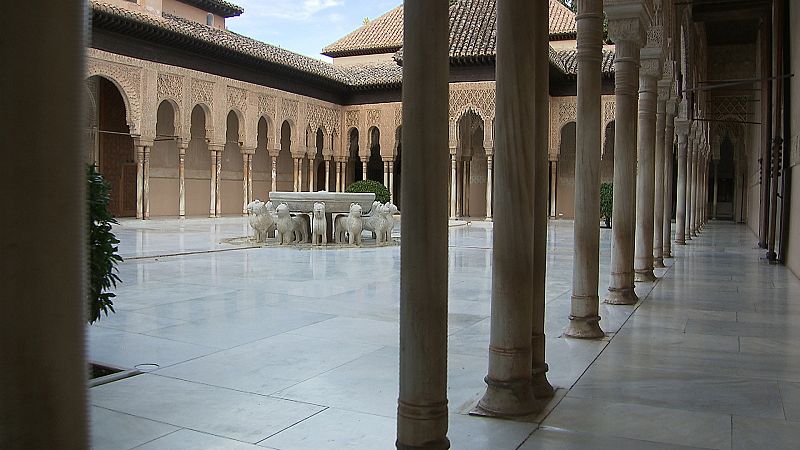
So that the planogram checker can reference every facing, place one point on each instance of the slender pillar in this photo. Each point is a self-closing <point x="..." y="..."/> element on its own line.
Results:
<point x="312" y="176"/>
<point x="584" y="314"/>
<point x="294" y="175"/>
<point x="689" y="170"/>
<point x="391" y="180"/>
<point x="300" y="162"/>
<point x="658" y="204"/>
<point x="695" y="185"/>
<point x="182" y="146"/>
<point x="542" y="389"/>
<point x="218" y="182"/>
<point x="465" y="179"/>
<point x="453" y="186"/>
<point x="682" y="130"/>
<point x="628" y="34"/>
<point x="140" y="182"/>
<point x="553" y="187"/>
<point x="327" y="174"/>
<point x="645" y="174"/>
<point x="364" y="162"/>
<point x="146" y="183"/>
<point x="386" y="173"/>
<point x="509" y="391"/>
<point x="274" y="174"/>
<point x="250" y="177"/>
<point x="669" y="140"/>
<point x="212" y="208"/>
<point x="43" y="388"/>
<point x="422" y="415"/>
<point x="489" y="182"/>
<point x="245" y="177"/>
<point x="338" y="176"/>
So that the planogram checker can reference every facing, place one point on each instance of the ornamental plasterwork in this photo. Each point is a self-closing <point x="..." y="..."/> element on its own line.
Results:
<point x="650" y="67"/>
<point x="321" y="116"/>
<point x="398" y="116"/>
<point x="170" y="86"/>
<point x="237" y="98"/>
<point x="128" y="79"/>
<point x="562" y="111"/>
<point x="289" y="108"/>
<point x="480" y="99"/>
<point x="266" y="105"/>
<point x="373" y="117"/>
<point x="626" y="30"/>
<point x="609" y="109"/>
<point x="203" y="92"/>
<point x="720" y="107"/>
<point x="351" y="119"/>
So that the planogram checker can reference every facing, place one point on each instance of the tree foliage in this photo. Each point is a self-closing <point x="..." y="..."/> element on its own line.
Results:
<point x="371" y="186"/>
<point x="103" y="257"/>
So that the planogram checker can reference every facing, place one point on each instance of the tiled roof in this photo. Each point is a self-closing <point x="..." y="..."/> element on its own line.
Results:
<point x="382" y="35"/>
<point x="567" y="57"/>
<point x="187" y="31"/>
<point x="220" y="7"/>
<point x="472" y="30"/>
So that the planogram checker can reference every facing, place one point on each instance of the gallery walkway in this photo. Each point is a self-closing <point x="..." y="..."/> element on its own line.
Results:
<point x="297" y="349"/>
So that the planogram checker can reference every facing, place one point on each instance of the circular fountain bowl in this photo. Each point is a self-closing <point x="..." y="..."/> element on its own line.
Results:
<point x="335" y="202"/>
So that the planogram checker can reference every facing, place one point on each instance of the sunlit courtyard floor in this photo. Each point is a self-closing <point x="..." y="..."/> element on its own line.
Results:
<point x="298" y="348"/>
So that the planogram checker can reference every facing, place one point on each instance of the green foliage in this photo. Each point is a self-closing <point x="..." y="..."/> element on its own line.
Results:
<point x="571" y="4"/>
<point x="606" y="202"/>
<point x="380" y="191"/>
<point x="103" y="257"/>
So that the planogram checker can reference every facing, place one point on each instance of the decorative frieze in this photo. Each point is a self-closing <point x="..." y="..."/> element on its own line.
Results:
<point x="266" y="105"/>
<point x="202" y="92"/>
<point x="289" y="108"/>
<point x="480" y="98"/>
<point x="129" y="80"/>
<point x="237" y="98"/>
<point x="322" y="116"/>
<point x="169" y="86"/>
<point x="373" y="117"/>
<point x="351" y="119"/>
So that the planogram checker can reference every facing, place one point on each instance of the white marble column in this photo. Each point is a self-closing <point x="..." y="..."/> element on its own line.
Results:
<point x="542" y="389"/>
<point x="216" y="165"/>
<point x="689" y="184"/>
<point x="422" y="413"/>
<point x="250" y="176"/>
<point x="489" y="182"/>
<point x="300" y="162"/>
<point x="509" y="391"/>
<point x="295" y="168"/>
<point x="139" y="181"/>
<point x="312" y="176"/>
<point x="682" y="131"/>
<point x="218" y="182"/>
<point x="364" y="162"/>
<point x="453" y="186"/>
<point x="274" y="173"/>
<point x="627" y="29"/>
<point x="182" y="146"/>
<point x="245" y="177"/>
<point x="658" y="204"/>
<point x="669" y="157"/>
<point x="645" y="173"/>
<point x="328" y="174"/>
<point x="695" y="185"/>
<point x="386" y="173"/>
<point x="146" y="183"/>
<point x="465" y="174"/>
<point x="338" y="176"/>
<point x="553" y="187"/>
<point x="391" y="181"/>
<point x="584" y="314"/>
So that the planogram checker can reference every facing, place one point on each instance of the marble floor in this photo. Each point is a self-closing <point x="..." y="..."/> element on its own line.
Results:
<point x="288" y="349"/>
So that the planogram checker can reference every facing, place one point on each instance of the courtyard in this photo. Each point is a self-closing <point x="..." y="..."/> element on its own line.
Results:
<point x="291" y="348"/>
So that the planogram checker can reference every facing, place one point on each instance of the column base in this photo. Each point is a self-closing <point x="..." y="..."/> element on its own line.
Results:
<point x="507" y="399"/>
<point x="644" y="276"/>
<point x="680" y="241"/>
<point x="688" y="237"/>
<point x="622" y="296"/>
<point x="437" y="445"/>
<point x="667" y="254"/>
<point x="658" y="263"/>
<point x="584" y="328"/>
<point x="488" y="219"/>
<point x="542" y="389"/>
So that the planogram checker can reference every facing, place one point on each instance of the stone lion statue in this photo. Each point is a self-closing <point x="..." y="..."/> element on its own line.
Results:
<point x="291" y="230"/>
<point x="262" y="221"/>
<point x="389" y="210"/>
<point x="350" y="225"/>
<point x="319" y="226"/>
<point x="376" y="222"/>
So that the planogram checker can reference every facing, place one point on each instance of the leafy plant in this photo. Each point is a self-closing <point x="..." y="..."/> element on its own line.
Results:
<point x="606" y="202"/>
<point x="103" y="257"/>
<point x="380" y="191"/>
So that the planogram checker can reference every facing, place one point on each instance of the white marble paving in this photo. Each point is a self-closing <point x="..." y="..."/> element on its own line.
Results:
<point x="297" y="349"/>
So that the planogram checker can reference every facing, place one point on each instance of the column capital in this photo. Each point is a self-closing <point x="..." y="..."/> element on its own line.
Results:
<point x="682" y="127"/>
<point x="664" y="89"/>
<point x="628" y="20"/>
<point x="143" y="141"/>
<point x="216" y="147"/>
<point x="248" y="150"/>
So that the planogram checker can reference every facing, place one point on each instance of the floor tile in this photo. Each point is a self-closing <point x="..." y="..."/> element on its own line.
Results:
<point x="114" y="430"/>
<point x="193" y="440"/>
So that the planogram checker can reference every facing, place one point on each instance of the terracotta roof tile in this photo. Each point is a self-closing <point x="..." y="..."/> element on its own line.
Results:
<point x="221" y="7"/>
<point x="382" y="35"/>
<point x="567" y="57"/>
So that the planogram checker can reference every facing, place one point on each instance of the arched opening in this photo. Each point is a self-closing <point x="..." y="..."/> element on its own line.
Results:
<point x="262" y="162"/>
<point x="607" y="160"/>
<point x="285" y="182"/>
<point x="115" y="151"/>
<point x="198" y="165"/>
<point x="319" y="161"/>
<point x="565" y="185"/>
<point x="232" y="174"/>
<point x="396" y="198"/>
<point x="471" y="168"/>
<point x="354" y="169"/>
<point x="375" y="163"/>
<point x="164" y="182"/>
<point x="721" y="183"/>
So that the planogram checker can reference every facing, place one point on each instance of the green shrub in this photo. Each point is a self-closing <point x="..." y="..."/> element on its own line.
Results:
<point x="103" y="257"/>
<point x="380" y="191"/>
<point x="606" y="202"/>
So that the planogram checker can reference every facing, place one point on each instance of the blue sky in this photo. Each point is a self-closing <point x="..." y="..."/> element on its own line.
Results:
<point x="304" y="26"/>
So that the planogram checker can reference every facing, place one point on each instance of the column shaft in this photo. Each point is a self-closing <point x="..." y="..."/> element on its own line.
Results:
<point x="489" y="182"/>
<point x="249" y="178"/>
<point x="680" y="205"/>
<point x="245" y="176"/>
<point x="274" y="174"/>
<point x="658" y="204"/>
<point x="509" y="391"/>
<point x="453" y="186"/>
<point x="139" y="182"/>
<point x="146" y="184"/>
<point x="422" y="415"/>
<point x="645" y="180"/>
<point x="312" y="176"/>
<point x="669" y="139"/>
<point x="218" y="184"/>
<point x="212" y="208"/>
<point x="623" y="217"/>
<point x="584" y="315"/>
<point x="553" y="187"/>
<point x="689" y="185"/>
<point x="391" y="180"/>
<point x="364" y="162"/>
<point x="716" y="189"/>
<point x="327" y="175"/>
<point x="182" y="180"/>
<point x="695" y="185"/>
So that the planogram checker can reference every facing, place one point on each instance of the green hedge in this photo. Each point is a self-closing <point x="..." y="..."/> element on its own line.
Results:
<point x="363" y="186"/>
